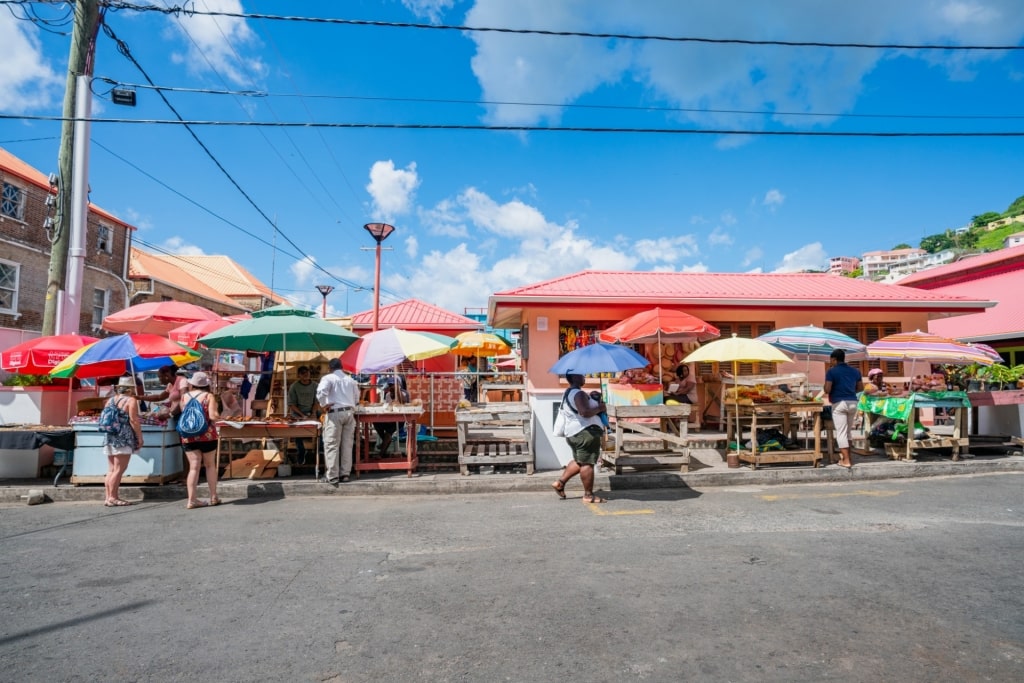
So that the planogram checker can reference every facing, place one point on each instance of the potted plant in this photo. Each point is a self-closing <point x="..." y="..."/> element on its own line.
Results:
<point x="974" y="377"/>
<point x="1001" y="377"/>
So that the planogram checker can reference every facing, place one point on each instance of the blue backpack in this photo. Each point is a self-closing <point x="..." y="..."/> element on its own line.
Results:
<point x="113" y="418"/>
<point x="192" y="421"/>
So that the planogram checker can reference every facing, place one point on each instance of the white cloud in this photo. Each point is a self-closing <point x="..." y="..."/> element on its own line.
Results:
<point x="728" y="218"/>
<point x="773" y="199"/>
<point x="27" y="81"/>
<point x="512" y="219"/>
<point x="665" y="249"/>
<point x="808" y="257"/>
<point x="719" y="237"/>
<point x="429" y="9"/>
<point x="303" y="269"/>
<point x="751" y="255"/>
<point x="446" y="219"/>
<point x="412" y="246"/>
<point x="218" y="43"/>
<point x="177" y="245"/>
<point x="392" y="189"/>
<point x="695" y="268"/>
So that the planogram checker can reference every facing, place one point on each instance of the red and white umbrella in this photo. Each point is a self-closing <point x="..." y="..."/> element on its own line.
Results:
<point x="927" y="348"/>
<point x="189" y="333"/>
<point x="40" y="355"/>
<point x="156" y="317"/>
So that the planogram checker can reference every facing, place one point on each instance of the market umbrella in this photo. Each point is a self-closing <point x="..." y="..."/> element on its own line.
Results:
<point x="189" y="333"/>
<point x="661" y="325"/>
<point x="927" y="348"/>
<point x="281" y="328"/>
<point x="124" y="354"/>
<point x="384" y="349"/>
<point x="156" y="317"/>
<point x="480" y="345"/>
<point x="987" y="350"/>
<point x="40" y="355"/>
<point x="809" y="342"/>
<point x="596" y="358"/>
<point x="737" y="350"/>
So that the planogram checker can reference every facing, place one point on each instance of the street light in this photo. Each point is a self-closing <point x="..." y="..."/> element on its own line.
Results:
<point x="324" y="291"/>
<point x="380" y="232"/>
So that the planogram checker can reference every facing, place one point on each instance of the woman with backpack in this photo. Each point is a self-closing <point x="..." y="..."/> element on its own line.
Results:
<point x="125" y="439"/>
<point x="199" y="443"/>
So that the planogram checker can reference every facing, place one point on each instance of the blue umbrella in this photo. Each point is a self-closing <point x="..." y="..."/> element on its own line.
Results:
<point x="814" y="343"/>
<point x="597" y="358"/>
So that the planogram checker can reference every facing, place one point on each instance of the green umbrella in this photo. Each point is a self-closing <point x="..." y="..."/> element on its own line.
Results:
<point x="281" y="328"/>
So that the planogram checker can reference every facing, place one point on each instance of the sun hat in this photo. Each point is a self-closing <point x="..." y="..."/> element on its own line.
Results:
<point x="200" y="379"/>
<point x="126" y="382"/>
<point x="874" y="371"/>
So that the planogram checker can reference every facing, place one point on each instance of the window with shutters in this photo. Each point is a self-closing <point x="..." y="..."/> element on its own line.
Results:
<point x="100" y="306"/>
<point x="747" y="331"/>
<point x="866" y="333"/>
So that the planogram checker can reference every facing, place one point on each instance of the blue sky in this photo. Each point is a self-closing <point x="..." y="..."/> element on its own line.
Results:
<point x="480" y="211"/>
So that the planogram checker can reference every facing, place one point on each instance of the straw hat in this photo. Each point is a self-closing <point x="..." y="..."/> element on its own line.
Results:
<point x="126" y="383"/>
<point x="874" y="371"/>
<point x="200" y="379"/>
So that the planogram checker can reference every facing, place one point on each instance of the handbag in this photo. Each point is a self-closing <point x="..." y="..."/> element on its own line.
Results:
<point x="559" y="427"/>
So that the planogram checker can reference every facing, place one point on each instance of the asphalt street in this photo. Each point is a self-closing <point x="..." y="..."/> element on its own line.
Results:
<point x="914" y="580"/>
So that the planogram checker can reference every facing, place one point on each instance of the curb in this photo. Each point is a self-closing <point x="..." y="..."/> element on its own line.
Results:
<point x="454" y="484"/>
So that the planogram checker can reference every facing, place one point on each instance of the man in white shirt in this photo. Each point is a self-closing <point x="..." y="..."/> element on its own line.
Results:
<point x="338" y="394"/>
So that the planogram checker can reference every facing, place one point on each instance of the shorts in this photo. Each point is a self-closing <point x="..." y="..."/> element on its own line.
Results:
<point x="201" y="446"/>
<point x="586" y="445"/>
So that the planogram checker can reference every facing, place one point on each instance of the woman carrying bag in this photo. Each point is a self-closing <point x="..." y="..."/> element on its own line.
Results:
<point x="200" y="449"/>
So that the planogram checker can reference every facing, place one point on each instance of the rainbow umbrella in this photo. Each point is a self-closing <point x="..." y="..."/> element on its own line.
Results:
<point x="928" y="348"/>
<point x="814" y="343"/>
<point x="40" y="355"/>
<point x="384" y="349"/>
<point x="124" y="354"/>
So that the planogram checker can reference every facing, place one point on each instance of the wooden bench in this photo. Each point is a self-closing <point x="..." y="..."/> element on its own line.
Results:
<point x="495" y="434"/>
<point x="668" y="429"/>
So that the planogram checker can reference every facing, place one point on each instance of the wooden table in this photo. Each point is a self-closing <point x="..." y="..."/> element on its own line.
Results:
<point x="481" y="441"/>
<point x="510" y="391"/>
<point x="786" y="416"/>
<point x="668" y="424"/>
<point x="366" y="416"/>
<point x="905" y="409"/>
<point x="230" y="432"/>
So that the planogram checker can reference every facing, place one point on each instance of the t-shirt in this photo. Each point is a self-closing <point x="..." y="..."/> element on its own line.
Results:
<point x="302" y="396"/>
<point x="844" y="380"/>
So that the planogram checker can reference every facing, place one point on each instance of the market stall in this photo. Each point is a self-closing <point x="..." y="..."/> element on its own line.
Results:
<point x="782" y="415"/>
<point x="236" y="437"/>
<point x="495" y="434"/>
<point x="157" y="462"/>
<point x="905" y="410"/>
<point x="366" y="416"/>
<point x="21" y="455"/>
<point x="667" y="425"/>
<point x="997" y="413"/>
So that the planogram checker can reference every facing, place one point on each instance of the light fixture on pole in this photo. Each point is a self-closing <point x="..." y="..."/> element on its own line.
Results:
<point x="324" y="291"/>
<point x="380" y="232"/>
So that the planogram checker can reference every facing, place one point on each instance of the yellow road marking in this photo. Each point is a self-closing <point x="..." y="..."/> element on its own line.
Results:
<point x="796" y="496"/>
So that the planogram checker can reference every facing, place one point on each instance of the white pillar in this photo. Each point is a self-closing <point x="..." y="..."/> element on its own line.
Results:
<point x="79" y="208"/>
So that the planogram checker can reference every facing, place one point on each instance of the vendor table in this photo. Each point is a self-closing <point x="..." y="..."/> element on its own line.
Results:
<point x="781" y="414"/>
<point x="365" y="435"/>
<point x="668" y="424"/>
<point x="231" y="433"/>
<point x="31" y="438"/>
<point x="904" y="409"/>
<point x="510" y="391"/>
<point x="157" y="462"/>
<point x="1003" y="412"/>
<point x="481" y="437"/>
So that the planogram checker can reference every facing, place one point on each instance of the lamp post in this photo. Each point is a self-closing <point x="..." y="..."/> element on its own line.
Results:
<point x="380" y="232"/>
<point x="324" y="291"/>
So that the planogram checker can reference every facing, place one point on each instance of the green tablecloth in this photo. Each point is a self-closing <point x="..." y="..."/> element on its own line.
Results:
<point x="900" y="407"/>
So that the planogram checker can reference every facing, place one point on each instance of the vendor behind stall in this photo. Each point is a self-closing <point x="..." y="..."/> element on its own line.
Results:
<point x="392" y="390"/>
<point x="683" y="389"/>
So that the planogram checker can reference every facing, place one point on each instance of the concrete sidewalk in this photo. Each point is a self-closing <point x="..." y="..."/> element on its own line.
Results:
<point x="707" y="469"/>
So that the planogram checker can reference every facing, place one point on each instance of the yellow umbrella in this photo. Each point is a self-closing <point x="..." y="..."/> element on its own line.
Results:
<point x="480" y="344"/>
<point x="737" y="350"/>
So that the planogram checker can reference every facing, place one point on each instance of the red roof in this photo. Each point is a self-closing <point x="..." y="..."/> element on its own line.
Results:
<point x="971" y="267"/>
<point x="413" y="314"/>
<point x="723" y="289"/>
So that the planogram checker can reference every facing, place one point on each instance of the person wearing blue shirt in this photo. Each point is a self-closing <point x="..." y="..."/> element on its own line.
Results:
<point x="842" y="384"/>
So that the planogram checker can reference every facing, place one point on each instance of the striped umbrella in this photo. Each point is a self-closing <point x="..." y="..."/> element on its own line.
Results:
<point x="814" y="343"/>
<point x="384" y="349"/>
<point x="927" y="348"/>
<point x="987" y="350"/>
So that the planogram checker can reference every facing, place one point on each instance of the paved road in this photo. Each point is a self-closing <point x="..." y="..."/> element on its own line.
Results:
<point x="915" y="580"/>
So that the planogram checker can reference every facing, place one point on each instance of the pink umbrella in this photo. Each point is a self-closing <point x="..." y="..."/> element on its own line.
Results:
<point x="157" y="317"/>
<point x="189" y="333"/>
<point x="40" y="355"/>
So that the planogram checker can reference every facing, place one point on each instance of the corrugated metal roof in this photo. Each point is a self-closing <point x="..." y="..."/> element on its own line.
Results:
<point x="1003" y="321"/>
<point x="413" y="314"/>
<point x="15" y="166"/>
<point x="165" y="269"/>
<point x="727" y="288"/>
<point x="973" y="266"/>
<point x="224" y="274"/>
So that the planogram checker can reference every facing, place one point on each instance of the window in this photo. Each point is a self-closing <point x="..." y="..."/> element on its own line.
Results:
<point x="105" y="241"/>
<point x="12" y="202"/>
<point x="9" y="286"/>
<point x="866" y="333"/>
<point x="747" y="331"/>
<point x="100" y="303"/>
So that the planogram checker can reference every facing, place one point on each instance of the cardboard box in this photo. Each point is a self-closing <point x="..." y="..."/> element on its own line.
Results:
<point x="256" y="464"/>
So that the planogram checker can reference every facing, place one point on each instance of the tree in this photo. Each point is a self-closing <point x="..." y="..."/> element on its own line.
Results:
<point x="902" y="245"/>
<point x="1016" y="208"/>
<point x="987" y="217"/>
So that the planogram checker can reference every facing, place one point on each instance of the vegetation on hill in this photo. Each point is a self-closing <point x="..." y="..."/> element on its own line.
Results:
<point x="976" y="238"/>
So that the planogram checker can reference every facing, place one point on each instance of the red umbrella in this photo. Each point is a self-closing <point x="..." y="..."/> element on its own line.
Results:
<point x="189" y="333"/>
<point x="40" y="355"/>
<point x="157" y="317"/>
<point x="660" y="325"/>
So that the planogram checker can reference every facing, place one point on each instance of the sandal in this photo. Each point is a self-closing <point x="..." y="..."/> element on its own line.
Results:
<point x="214" y="502"/>
<point x="559" y="487"/>
<point x="116" y="503"/>
<point x="196" y="504"/>
<point x="594" y="499"/>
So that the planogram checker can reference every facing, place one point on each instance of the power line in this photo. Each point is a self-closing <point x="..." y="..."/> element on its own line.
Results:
<point x="568" y="105"/>
<point x="544" y="129"/>
<point x="116" y="5"/>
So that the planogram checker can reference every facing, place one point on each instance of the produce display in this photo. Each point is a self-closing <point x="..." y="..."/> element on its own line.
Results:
<point x="759" y="393"/>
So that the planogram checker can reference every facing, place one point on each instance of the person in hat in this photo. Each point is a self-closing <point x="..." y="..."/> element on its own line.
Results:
<point x="877" y="380"/>
<point x="201" y="450"/>
<point x="120" y="445"/>
<point x="583" y="431"/>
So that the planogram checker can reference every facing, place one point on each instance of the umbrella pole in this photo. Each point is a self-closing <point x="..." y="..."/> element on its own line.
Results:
<point x="738" y="431"/>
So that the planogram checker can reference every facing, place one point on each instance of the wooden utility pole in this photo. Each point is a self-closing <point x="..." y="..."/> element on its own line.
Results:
<point x="80" y="58"/>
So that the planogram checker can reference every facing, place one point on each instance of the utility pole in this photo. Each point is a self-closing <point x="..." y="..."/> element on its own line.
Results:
<point x="80" y="61"/>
